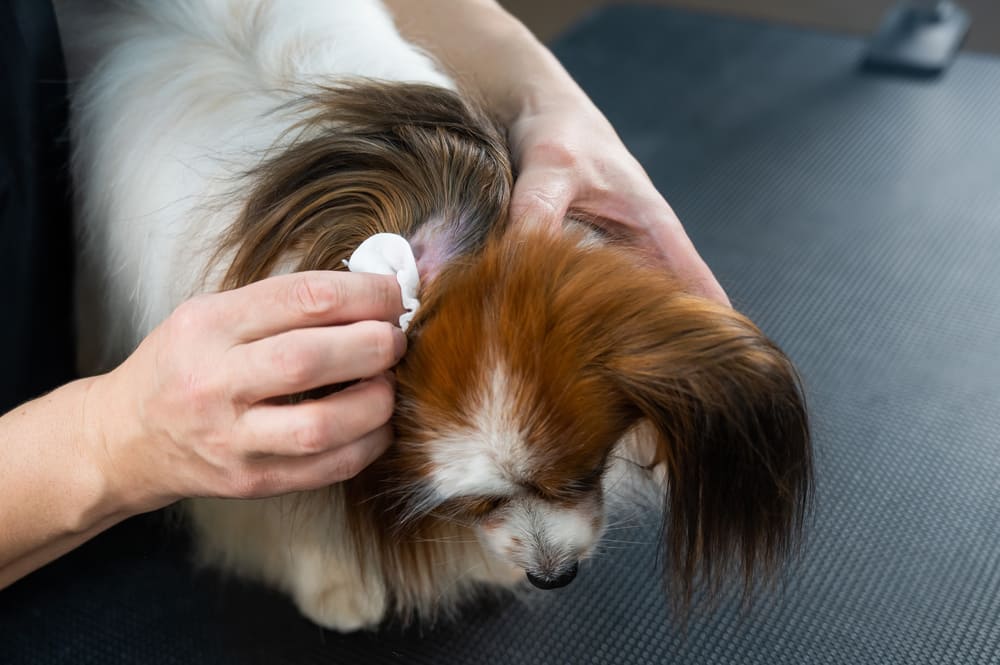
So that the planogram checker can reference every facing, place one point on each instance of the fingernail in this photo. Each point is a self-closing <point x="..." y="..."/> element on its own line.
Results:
<point x="399" y="340"/>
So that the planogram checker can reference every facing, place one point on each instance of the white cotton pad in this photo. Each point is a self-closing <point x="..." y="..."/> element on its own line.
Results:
<point x="390" y="254"/>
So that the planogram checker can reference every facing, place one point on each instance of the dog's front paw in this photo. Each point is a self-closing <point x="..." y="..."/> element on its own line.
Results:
<point x="343" y="607"/>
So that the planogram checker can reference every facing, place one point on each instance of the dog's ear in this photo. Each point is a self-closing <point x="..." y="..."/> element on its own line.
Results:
<point x="729" y="424"/>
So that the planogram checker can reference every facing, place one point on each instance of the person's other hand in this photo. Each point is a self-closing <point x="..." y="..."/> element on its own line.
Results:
<point x="196" y="409"/>
<point x="571" y="160"/>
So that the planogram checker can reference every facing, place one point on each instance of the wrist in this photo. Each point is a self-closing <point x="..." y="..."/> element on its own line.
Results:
<point x="488" y="52"/>
<point x="531" y="80"/>
<point x="112" y="442"/>
<point x="539" y="85"/>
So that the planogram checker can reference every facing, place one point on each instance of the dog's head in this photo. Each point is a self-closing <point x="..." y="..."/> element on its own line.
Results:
<point x="538" y="361"/>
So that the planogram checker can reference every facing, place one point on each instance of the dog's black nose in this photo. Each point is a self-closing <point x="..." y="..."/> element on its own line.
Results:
<point x="557" y="582"/>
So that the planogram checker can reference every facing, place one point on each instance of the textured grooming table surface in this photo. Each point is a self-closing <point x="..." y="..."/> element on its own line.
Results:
<point x="856" y="218"/>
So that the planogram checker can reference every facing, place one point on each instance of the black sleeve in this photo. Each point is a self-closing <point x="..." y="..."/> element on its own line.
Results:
<point x="36" y="250"/>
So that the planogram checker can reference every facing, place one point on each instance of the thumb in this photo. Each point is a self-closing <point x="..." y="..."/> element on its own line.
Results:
<point x="684" y="261"/>
<point x="540" y="199"/>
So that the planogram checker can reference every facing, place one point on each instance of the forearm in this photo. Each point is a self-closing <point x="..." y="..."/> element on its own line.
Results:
<point x="33" y="559"/>
<point x="54" y="493"/>
<point x="488" y="51"/>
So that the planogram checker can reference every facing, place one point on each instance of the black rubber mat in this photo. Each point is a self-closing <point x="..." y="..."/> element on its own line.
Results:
<point x="857" y="218"/>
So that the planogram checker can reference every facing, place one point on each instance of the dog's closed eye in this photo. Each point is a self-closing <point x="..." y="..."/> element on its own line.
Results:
<point x="486" y="505"/>
<point x="471" y="508"/>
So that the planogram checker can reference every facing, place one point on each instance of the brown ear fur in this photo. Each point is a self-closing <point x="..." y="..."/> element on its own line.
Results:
<point x="371" y="157"/>
<point x="731" y="429"/>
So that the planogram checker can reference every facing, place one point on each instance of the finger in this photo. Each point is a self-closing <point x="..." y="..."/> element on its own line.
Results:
<point x="300" y="360"/>
<point x="316" y="426"/>
<point x="315" y="298"/>
<point x="646" y="212"/>
<point x="273" y="476"/>
<point x="705" y="284"/>
<point x="337" y="465"/>
<point x="541" y="198"/>
<point x="685" y="262"/>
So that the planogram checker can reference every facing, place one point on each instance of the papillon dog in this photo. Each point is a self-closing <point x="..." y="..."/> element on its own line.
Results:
<point x="217" y="142"/>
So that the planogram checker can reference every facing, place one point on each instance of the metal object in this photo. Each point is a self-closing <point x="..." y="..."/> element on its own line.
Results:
<point x="918" y="37"/>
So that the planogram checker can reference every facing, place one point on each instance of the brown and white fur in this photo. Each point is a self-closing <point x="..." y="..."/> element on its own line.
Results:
<point x="221" y="141"/>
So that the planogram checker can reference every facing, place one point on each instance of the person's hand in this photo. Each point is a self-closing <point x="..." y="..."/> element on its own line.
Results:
<point x="193" y="411"/>
<point x="571" y="160"/>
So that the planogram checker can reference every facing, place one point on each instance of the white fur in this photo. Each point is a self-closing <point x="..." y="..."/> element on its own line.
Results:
<point x="489" y="458"/>
<point x="542" y="538"/>
<point x="174" y="101"/>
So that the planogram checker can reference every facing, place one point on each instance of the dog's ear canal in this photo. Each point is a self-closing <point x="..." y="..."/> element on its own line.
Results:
<point x="731" y="429"/>
<point x="434" y="245"/>
<point x="428" y="256"/>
